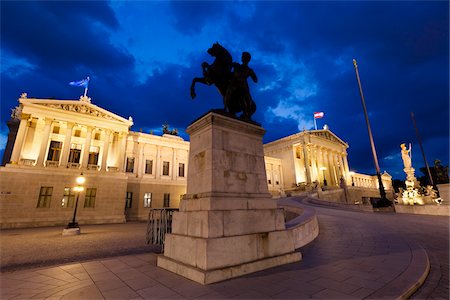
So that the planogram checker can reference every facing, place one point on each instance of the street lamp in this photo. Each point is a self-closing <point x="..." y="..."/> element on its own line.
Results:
<point x="351" y="175"/>
<point x="324" y="179"/>
<point x="72" y="227"/>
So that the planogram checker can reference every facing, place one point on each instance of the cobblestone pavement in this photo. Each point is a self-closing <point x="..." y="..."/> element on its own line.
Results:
<point x="357" y="255"/>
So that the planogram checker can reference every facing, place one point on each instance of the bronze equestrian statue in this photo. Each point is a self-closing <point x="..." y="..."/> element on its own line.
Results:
<point x="230" y="78"/>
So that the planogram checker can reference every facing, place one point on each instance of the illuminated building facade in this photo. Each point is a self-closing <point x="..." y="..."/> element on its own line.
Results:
<point x="127" y="173"/>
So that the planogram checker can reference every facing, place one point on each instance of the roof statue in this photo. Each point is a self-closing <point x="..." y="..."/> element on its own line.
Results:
<point x="230" y="78"/>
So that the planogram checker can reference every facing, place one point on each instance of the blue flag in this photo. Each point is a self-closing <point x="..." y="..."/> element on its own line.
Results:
<point x="84" y="83"/>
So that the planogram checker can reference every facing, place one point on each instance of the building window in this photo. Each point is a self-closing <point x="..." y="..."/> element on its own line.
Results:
<point x="269" y="181"/>
<point x="56" y="129"/>
<point x="97" y="136"/>
<point x="165" y="168"/>
<point x="148" y="200"/>
<point x="93" y="155"/>
<point x="181" y="170"/>
<point x="89" y="199"/>
<point x="45" y="195"/>
<point x="77" y="133"/>
<point x="148" y="166"/>
<point x="54" y="151"/>
<point x="130" y="165"/>
<point x="75" y="153"/>
<point x="129" y="200"/>
<point x="166" y="200"/>
<point x="68" y="198"/>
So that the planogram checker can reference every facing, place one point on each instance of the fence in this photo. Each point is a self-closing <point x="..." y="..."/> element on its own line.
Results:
<point x="159" y="223"/>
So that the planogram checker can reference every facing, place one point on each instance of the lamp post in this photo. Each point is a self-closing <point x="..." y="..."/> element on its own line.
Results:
<point x="72" y="227"/>
<point x="324" y="179"/>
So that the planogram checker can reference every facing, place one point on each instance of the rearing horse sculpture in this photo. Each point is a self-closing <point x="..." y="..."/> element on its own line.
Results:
<point x="218" y="73"/>
<point x="230" y="79"/>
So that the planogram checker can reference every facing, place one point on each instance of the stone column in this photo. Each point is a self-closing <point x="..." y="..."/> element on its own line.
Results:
<point x="316" y="164"/>
<point x="307" y="169"/>
<point x="66" y="146"/>
<point x="105" y="149"/>
<point x="20" y="139"/>
<point x="122" y="151"/>
<point x="347" y="171"/>
<point x="330" y="168"/>
<point x="344" y="172"/>
<point x="87" y="147"/>
<point x="44" y="143"/>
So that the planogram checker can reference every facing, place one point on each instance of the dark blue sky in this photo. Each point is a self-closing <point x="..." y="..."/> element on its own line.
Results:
<point x="142" y="55"/>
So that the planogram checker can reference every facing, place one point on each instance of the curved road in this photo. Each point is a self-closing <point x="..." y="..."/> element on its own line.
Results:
<point x="371" y="230"/>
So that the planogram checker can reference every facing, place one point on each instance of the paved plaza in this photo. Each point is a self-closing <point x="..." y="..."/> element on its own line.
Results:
<point x="356" y="255"/>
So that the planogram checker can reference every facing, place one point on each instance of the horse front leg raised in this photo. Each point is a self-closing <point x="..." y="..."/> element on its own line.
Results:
<point x="194" y="81"/>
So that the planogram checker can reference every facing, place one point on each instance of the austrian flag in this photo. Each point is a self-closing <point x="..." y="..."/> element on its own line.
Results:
<point x="318" y="115"/>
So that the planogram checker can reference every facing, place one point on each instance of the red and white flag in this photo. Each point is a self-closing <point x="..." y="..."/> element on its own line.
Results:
<point x="318" y="115"/>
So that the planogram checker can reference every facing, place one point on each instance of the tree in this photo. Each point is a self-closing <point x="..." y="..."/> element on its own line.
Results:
<point x="439" y="173"/>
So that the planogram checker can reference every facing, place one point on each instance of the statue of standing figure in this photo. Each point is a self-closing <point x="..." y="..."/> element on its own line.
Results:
<point x="406" y="156"/>
<point x="230" y="78"/>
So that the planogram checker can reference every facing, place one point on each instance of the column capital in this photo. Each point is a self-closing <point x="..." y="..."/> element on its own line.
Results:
<point x="25" y="117"/>
<point x="47" y="120"/>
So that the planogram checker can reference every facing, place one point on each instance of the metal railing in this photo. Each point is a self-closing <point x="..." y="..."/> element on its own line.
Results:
<point x="159" y="223"/>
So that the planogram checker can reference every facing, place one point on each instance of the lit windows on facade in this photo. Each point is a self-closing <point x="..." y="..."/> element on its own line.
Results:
<point x="93" y="155"/>
<point x="45" y="195"/>
<point x="89" y="199"/>
<point x="129" y="200"/>
<point x="165" y="168"/>
<point x="75" y="153"/>
<point x="166" y="200"/>
<point x="148" y="200"/>
<point x="56" y="129"/>
<point x="77" y="133"/>
<point x="68" y="198"/>
<point x="54" y="151"/>
<point x="130" y="165"/>
<point x="148" y="166"/>
<point x="180" y="170"/>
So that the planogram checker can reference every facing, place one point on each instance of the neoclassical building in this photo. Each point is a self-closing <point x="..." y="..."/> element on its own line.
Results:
<point x="127" y="173"/>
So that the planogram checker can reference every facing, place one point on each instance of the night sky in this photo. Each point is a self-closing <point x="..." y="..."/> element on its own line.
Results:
<point x="141" y="57"/>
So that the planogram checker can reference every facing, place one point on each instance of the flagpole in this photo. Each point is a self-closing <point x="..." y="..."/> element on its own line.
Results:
<point x="315" y="124"/>
<point x="430" y="178"/>
<point x="384" y="201"/>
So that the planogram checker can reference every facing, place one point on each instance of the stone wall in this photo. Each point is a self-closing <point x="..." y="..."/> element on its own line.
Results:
<point x="20" y="188"/>
<point x="138" y="212"/>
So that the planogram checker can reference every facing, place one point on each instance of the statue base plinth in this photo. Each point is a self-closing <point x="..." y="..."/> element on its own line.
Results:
<point x="228" y="224"/>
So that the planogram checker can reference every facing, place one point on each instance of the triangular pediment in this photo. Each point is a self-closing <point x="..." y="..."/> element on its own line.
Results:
<point x="328" y="135"/>
<point x="75" y="106"/>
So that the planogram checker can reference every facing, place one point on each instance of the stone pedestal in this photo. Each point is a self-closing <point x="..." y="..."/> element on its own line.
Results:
<point x="228" y="224"/>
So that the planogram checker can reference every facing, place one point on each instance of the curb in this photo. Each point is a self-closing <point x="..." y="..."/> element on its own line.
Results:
<point x="410" y="280"/>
